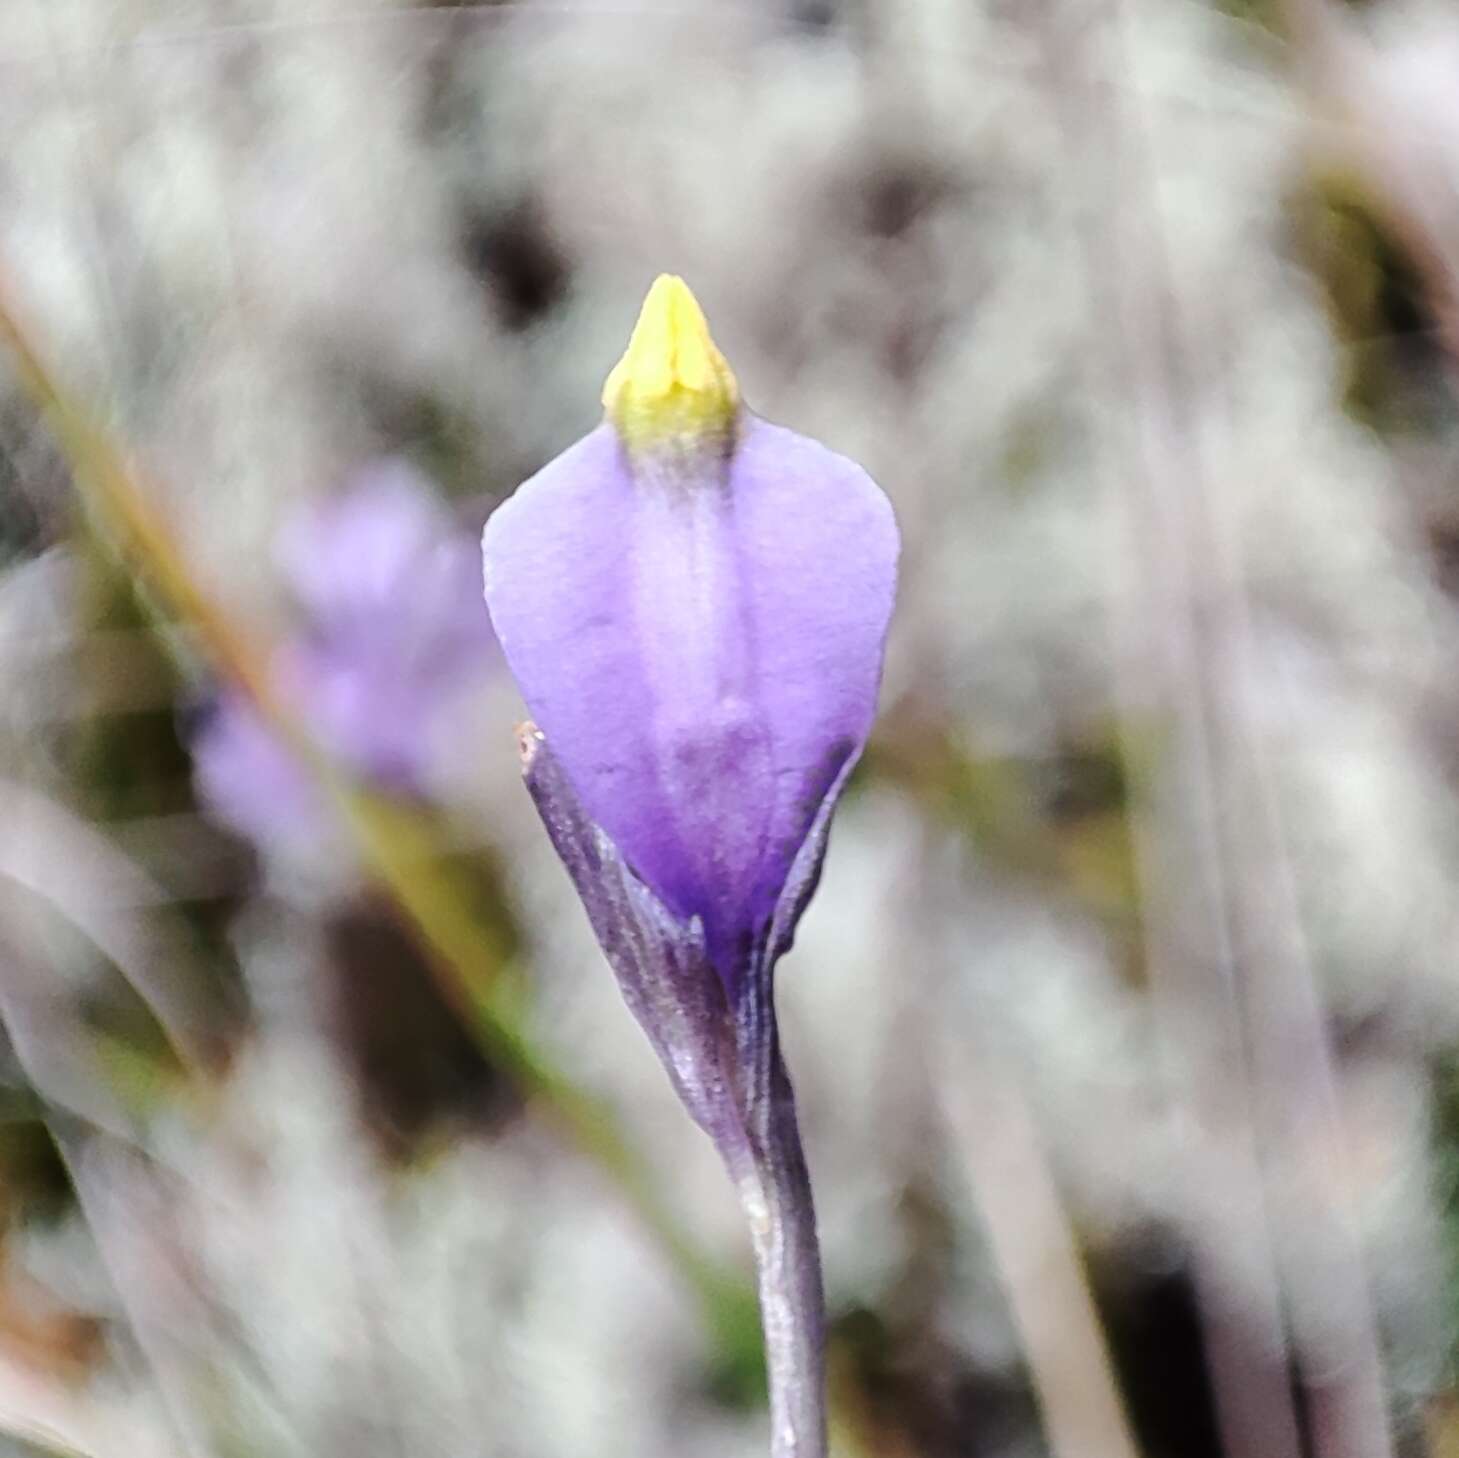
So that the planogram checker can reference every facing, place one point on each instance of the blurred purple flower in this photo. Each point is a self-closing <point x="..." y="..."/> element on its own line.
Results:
<point x="392" y="634"/>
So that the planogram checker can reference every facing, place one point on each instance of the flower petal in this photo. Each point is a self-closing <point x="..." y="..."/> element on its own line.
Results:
<point x="247" y="779"/>
<point x="350" y="559"/>
<point x="557" y="559"/>
<point x="819" y="546"/>
<point x="701" y="645"/>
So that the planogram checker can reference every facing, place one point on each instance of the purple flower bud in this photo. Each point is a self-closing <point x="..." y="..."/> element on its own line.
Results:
<point x="693" y="602"/>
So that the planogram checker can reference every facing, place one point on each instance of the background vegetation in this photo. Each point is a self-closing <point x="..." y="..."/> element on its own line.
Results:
<point x="1126" y="1023"/>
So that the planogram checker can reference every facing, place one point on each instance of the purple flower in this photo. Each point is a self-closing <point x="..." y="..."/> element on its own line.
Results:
<point x="693" y="603"/>
<point x="391" y="635"/>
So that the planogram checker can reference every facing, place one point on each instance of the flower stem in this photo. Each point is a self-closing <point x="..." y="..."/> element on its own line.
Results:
<point x="775" y="1190"/>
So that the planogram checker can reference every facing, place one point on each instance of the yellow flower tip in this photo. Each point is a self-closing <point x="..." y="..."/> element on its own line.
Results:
<point x="672" y="383"/>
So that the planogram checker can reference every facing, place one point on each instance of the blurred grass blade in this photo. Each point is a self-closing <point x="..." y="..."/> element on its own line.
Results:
<point x="72" y="866"/>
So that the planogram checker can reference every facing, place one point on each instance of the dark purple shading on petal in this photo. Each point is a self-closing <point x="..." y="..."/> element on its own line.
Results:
<point x="702" y="646"/>
<point x="661" y="963"/>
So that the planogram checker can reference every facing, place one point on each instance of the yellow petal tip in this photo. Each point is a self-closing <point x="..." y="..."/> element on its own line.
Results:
<point x="672" y="383"/>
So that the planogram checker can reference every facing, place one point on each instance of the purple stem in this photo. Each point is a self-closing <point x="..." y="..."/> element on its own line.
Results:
<point x="725" y="1063"/>
<point x="775" y="1192"/>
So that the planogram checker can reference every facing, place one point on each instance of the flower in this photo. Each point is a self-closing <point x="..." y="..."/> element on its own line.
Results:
<point x="391" y="636"/>
<point x="693" y="602"/>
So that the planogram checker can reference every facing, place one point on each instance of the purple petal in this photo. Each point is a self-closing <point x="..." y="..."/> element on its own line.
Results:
<point x="393" y="636"/>
<point x="702" y="648"/>
<point x="345" y="558"/>
<point x="382" y="569"/>
<point x="377" y="714"/>
<point x="820" y="546"/>
<point x="247" y="779"/>
<point x="558" y="584"/>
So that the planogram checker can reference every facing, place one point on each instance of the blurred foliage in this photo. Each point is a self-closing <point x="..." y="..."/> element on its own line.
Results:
<point x="130" y="763"/>
<point x="1148" y="1300"/>
<point x="1445" y="1114"/>
<point x="32" y="1173"/>
<point x="1268" y="14"/>
<point x="423" y="971"/>
<point x="1395" y="380"/>
<point x="419" y="1073"/>
<point x="1061" y="821"/>
<point x="126" y="767"/>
